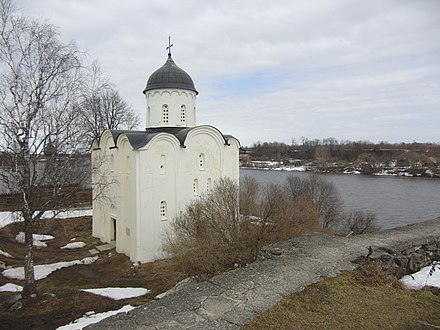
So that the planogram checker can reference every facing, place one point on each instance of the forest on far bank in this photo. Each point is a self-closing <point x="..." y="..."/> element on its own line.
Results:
<point x="365" y="156"/>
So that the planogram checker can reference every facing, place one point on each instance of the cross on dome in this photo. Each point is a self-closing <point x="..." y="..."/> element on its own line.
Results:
<point x="169" y="46"/>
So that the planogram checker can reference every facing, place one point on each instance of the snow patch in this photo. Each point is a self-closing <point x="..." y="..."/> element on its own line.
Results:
<point x="75" y="245"/>
<point x="385" y="173"/>
<point x="11" y="287"/>
<point x="118" y="293"/>
<point x="42" y="271"/>
<point x="9" y="217"/>
<point x="91" y="318"/>
<point x="37" y="239"/>
<point x="74" y="213"/>
<point x="295" y="169"/>
<point x="5" y="254"/>
<point x="423" y="278"/>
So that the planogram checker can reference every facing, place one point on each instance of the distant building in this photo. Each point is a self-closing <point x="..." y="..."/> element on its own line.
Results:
<point x="145" y="178"/>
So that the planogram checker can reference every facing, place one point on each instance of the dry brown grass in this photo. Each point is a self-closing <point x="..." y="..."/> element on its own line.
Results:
<point x="364" y="299"/>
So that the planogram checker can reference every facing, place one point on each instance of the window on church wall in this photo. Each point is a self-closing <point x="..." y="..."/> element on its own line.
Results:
<point x="183" y="114"/>
<point x="208" y="184"/>
<point x="162" y="166"/>
<point x="201" y="161"/>
<point x="148" y="115"/>
<point x="112" y="163"/>
<point x="196" y="187"/>
<point x="165" y="113"/>
<point x="163" y="210"/>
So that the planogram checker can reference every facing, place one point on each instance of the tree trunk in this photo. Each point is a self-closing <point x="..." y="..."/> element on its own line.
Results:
<point x="30" y="287"/>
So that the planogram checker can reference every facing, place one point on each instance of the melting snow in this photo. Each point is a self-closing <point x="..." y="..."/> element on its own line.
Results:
<point x="91" y="318"/>
<point x="11" y="287"/>
<point x="74" y="213"/>
<point x="422" y="278"/>
<point x="5" y="254"/>
<point x="119" y="293"/>
<point x="42" y="271"/>
<point x="9" y="217"/>
<point x="75" y="245"/>
<point x="37" y="239"/>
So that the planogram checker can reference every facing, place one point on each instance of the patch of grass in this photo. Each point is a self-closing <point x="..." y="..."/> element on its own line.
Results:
<point x="364" y="299"/>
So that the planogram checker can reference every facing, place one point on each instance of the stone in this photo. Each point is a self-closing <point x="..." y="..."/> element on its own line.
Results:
<point x="105" y="247"/>
<point x="412" y="250"/>
<point x="401" y="261"/>
<point x="13" y="299"/>
<point x="15" y="306"/>
<point x="416" y="262"/>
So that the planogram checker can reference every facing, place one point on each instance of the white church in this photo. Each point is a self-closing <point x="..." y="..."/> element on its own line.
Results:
<point x="143" y="179"/>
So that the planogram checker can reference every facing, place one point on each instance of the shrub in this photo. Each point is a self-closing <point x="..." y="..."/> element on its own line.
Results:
<point x="358" y="222"/>
<point x="322" y="193"/>
<point x="211" y="236"/>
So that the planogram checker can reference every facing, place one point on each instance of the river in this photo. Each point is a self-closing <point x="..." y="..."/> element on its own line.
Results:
<point x="396" y="201"/>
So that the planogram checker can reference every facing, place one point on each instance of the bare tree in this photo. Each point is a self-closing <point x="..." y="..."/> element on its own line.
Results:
<point x="39" y="82"/>
<point x="102" y="107"/>
<point x="322" y="193"/>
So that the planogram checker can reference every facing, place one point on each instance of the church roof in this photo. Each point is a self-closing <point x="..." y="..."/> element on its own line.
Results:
<point x="139" y="139"/>
<point x="170" y="76"/>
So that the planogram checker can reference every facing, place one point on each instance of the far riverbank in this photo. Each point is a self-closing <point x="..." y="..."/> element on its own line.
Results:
<point x="377" y="169"/>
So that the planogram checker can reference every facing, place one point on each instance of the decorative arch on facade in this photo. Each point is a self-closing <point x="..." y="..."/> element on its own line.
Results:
<point x="210" y="131"/>
<point x="170" y="138"/>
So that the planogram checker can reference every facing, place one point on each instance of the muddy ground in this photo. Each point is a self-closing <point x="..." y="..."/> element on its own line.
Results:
<point x="60" y="300"/>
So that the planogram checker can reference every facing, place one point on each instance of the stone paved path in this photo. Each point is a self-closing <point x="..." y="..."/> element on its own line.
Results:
<point x="231" y="299"/>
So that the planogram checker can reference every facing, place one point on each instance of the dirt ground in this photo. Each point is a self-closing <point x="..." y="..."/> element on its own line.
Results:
<point x="60" y="300"/>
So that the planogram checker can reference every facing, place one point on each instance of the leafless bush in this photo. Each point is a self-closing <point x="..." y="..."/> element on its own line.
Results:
<point x="211" y="236"/>
<point x="250" y="191"/>
<point x="358" y="222"/>
<point x="322" y="193"/>
<point x="282" y="217"/>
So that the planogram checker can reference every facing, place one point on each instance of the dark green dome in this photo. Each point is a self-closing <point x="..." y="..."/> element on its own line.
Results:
<point x="170" y="76"/>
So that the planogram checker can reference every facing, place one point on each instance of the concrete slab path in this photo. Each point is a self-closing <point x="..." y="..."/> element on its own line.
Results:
<point x="231" y="299"/>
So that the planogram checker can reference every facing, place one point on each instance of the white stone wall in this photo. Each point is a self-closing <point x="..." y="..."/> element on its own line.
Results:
<point x="137" y="181"/>
<point x="174" y="99"/>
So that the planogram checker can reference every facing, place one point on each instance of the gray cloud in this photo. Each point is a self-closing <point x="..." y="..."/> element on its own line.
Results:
<point x="275" y="70"/>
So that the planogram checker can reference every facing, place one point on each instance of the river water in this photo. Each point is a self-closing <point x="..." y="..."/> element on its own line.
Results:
<point x="396" y="201"/>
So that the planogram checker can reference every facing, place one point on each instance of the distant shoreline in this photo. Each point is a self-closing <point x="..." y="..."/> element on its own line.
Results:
<point x="342" y="169"/>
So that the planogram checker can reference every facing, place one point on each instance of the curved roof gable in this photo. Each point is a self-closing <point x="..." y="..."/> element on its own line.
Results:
<point x="139" y="139"/>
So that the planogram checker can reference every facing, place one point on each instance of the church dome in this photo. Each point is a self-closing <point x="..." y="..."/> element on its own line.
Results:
<point x="170" y="76"/>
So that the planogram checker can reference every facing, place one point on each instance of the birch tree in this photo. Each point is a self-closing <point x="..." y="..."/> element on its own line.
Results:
<point x="102" y="107"/>
<point x="40" y="78"/>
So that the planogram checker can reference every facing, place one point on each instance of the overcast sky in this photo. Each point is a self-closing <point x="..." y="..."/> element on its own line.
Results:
<point x="274" y="70"/>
